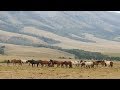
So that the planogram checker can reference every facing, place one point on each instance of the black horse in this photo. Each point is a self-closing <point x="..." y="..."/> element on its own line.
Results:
<point x="33" y="62"/>
<point x="8" y="61"/>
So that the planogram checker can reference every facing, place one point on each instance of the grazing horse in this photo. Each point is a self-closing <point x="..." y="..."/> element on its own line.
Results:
<point x="75" y="63"/>
<point x="108" y="63"/>
<point x="99" y="62"/>
<point x="14" y="61"/>
<point x="58" y="63"/>
<point x="82" y="64"/>
<point x="33" y="62"/>
<point x="46" y="63"/>
<point x="24" y="61"/>
<point x="66" y="63"/>
<point x="87" y="64"/>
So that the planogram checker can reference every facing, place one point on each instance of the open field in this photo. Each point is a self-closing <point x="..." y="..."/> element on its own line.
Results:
<point x="29" y="52"/>
<point x="29" y="72"/>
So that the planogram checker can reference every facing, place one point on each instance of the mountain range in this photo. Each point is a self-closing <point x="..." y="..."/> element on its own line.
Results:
<point x="89" y="30"/>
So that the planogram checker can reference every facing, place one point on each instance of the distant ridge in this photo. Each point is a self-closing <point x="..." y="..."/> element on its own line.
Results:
<point x="88" y="30"/>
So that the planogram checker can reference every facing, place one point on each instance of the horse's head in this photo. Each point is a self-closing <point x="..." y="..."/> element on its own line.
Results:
<point x="28" y="61"/>
<point x="81" y="61"/>
<point x="51" y="60"/>
<point x="8" y="61"/>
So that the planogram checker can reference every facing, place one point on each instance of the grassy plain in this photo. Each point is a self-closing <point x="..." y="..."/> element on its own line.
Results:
<point x="28" y="72"/>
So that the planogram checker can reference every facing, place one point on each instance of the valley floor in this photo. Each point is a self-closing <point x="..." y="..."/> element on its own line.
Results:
<point x="29" y="72"/>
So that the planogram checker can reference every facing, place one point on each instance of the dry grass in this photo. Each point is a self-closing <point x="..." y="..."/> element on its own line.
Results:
<point x="29" y="52"/>
<point x="28" y="72"/>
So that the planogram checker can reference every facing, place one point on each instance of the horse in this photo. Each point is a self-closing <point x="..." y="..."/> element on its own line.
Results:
<point x="14" y="61"/>
<point x="33" y="62"/>
<point x="45" y="62"/>
<point x="99" y="62"/>
<point x="82" y="64"/>
<point x="53" y="62"/>
<point x="24" y="61"/>
<point x="8" y="61"/>
<point x="108" y="63"/>
<point x="75" y="63"/>
<point x="66" y="63"/>
<point x="87" y="64"/>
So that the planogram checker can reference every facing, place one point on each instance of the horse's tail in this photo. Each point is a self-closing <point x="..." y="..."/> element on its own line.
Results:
<point x="111" y="64"/>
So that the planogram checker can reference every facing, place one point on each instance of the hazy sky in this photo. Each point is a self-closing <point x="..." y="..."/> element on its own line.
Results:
<point x="115" y="11"/>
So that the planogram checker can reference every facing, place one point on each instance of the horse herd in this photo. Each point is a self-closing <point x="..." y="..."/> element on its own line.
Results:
<point x="70" y="64"/>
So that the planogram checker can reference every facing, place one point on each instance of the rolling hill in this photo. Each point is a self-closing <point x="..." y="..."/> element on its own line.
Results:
<point x="88" y="30"/>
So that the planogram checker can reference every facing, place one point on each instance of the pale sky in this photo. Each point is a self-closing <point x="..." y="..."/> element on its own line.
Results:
<point x="115" y="11"/>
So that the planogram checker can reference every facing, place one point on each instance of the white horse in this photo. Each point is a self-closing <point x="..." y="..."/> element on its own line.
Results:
<point x="23" y="61"/>
<point x="87" y="64"/>
<point x="75" y="63"/>
<point x="108" y="63"/>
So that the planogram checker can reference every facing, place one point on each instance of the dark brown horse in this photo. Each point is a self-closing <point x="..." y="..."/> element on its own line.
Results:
<point x="14" y="61"/>
<point x="45" y="62"/>
<point x="99" y="62"/>
<point x="33" y="62"/>
<point x="66" y="63"/>
<point x="82" y="64"/>
<point x="8" y="62"/>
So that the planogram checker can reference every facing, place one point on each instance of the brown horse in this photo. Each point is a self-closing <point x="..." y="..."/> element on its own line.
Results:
<point x="45" y="62"/>
<point x="99" y="62"/>
<point x="14" y="61"/>
<point x="66" y="63"/>
<point x="54" y="62"/>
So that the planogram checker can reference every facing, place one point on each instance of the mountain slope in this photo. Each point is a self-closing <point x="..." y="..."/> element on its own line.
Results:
<point x="94" y="31"/>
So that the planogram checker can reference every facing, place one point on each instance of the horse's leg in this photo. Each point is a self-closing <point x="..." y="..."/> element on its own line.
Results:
<point x="52" y="65"/>
<point x="37" y="64"/>
<point x="42" y="65"/>
<point x="105" y="65"/>
<point x="47" y="65"/>
<point x="62" y="65"/>
<point x="81" y="66"/>
<point x="93" y="66"/>
<point x="57" y="65"/>
<point x="67" y="66"/>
